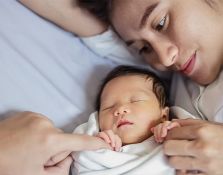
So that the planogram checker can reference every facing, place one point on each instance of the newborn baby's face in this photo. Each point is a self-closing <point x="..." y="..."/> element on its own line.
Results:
<point x="130" y="108"/>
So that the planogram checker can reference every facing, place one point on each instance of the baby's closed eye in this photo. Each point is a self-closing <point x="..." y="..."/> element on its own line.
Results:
<point x="136" y="100"/>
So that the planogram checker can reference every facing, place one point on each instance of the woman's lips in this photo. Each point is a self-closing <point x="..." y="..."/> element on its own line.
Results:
<point x="124" y="122"/>
<point x="189" y="65"/>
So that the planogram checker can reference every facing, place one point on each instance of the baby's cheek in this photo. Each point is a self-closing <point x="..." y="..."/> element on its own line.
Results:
<point x="105" y="124"/>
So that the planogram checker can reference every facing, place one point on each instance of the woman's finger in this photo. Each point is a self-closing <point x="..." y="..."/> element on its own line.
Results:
<point x="105" y="137"/>
<point x="62" y="168"/>
<point x="183" y="133"/>
<point x="57" y="158"/>
<point x="186" y="163"/>
<point x="179" y="148"/>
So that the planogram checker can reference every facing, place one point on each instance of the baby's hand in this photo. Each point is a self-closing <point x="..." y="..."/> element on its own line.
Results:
<point x="111" y="138"/>
<point x="160" y="130"/>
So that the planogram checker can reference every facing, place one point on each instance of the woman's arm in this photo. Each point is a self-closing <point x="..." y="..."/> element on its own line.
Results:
<point x="68" y="15"/>
<point x="29" y="141"/>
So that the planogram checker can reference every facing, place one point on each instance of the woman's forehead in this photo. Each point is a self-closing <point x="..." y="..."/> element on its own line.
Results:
<point x="131" y="6"/>
<point x="127" y="14"/>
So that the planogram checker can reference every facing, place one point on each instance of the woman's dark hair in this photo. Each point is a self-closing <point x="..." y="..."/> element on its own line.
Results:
<point x="158" y="86"/>
<point x="99" y="8"/>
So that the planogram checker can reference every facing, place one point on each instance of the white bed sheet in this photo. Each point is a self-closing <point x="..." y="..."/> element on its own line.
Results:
<point x="45" y="69"/>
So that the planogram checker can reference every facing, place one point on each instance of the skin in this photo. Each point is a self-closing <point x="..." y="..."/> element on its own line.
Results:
<point x="29" y="142"/>
<point x="190" y="27"/>
<point x="135" y="102"/>
<point x="170" y="36"/>
<point x="160" y="131"/>
<point x="32" y="145"/>
<point x="202" y="152"/>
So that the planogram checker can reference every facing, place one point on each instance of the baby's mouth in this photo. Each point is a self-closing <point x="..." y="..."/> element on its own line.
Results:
<point x="123" y="123"/>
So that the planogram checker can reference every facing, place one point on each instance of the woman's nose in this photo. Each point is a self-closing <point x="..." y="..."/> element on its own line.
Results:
<point x="166" y="51"/>
<point x="121" y="110"/>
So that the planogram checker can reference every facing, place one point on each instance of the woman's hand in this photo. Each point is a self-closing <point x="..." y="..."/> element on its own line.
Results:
<point x="61" y="168"/>
<point x="28" y="141"/>
<point x="196" y="145"/>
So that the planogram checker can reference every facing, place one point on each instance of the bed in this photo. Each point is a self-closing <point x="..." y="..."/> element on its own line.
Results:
<point x="45" y="69"/>
<point x="48" y="70"/>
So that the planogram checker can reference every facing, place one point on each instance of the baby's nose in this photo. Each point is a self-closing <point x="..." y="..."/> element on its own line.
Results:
<point x="121" y="110"/>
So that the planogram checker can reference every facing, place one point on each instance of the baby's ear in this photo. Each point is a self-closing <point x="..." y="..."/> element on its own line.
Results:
<point x="165" y="113"/>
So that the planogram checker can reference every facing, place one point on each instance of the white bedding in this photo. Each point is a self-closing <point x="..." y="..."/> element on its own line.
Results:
<point x="45" y="69"/>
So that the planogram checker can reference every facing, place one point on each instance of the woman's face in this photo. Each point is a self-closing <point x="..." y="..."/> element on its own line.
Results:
<point x="181" y="35"/>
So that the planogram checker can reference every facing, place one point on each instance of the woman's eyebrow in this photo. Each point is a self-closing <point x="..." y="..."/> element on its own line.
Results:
<point x="143" y="20"/>
<point x="146" y="14"/>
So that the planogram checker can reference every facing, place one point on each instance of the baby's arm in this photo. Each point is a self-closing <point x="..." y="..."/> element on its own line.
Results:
<point x="68" y="15"/>
<point x="160" y="130"/>
<point x="111" y="138"/>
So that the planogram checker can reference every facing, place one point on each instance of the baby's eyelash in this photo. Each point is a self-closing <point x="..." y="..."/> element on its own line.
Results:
<point x="135" y="101"/>
<point x="106" y="108"/>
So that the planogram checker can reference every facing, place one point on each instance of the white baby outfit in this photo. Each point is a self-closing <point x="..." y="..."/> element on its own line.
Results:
<point x="145" y="158"/>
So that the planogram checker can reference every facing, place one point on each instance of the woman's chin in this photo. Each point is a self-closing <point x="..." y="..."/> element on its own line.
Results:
<point x="205" y="79"/>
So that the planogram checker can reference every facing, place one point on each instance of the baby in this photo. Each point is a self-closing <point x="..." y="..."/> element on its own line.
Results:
<point x="131" y="107"/>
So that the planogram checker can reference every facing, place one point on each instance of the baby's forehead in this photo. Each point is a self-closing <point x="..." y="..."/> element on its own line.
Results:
<point x="132" y="83"/>
<point x="131" y="79"/>
<point x="145" y="78"/>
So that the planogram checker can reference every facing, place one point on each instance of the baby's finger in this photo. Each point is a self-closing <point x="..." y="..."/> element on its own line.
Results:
<point x="173" y="125"/>
<point x="118" y="143"/>
<point x="160" y="127"/>
<point x="156" y="133"/>
<point x="111" y="136"/>
<point x="105" y="137"/>
<point x="164" y="130"/>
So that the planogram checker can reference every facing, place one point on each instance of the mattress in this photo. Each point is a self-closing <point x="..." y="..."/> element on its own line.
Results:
<point x="45" y="69"/>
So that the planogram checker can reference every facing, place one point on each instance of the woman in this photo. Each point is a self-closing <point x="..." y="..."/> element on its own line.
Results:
<point x="183" y="36"/>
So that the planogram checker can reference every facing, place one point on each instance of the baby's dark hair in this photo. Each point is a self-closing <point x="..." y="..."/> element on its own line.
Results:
<point x="99" y="8"/>
<point x="159" y="87"/>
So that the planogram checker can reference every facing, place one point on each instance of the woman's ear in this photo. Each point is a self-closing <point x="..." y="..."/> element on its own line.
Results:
<point x="165" y="113"/>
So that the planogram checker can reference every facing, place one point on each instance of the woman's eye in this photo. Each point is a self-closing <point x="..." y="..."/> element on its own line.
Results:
<point x="161" y="24"/>
<point x="145" y="49"/>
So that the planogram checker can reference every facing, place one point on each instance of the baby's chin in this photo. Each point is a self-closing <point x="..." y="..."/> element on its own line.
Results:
<point x="133" y="138"/>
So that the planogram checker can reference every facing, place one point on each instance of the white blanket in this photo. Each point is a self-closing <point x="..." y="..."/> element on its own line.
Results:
<point x="135" y="159"/>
